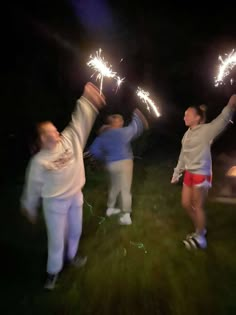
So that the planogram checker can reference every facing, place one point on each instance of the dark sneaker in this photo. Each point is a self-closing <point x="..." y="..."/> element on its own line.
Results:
<point x="79" y="261"/>
<point x="50" y="281"/>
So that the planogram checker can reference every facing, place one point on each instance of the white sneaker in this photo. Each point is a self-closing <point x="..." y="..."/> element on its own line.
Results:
<point x="125" y="219"/>
<point x="112" y="211"/>
<point x="196" y="241"/>
<point x="204" y="233"/>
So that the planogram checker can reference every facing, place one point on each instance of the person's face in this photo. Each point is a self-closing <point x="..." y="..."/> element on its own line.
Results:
<point x="117" y="122"/>
<point x="49" y="135"/>
<point x="191" y="118"/>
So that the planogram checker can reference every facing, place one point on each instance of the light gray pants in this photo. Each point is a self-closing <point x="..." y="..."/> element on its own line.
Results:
<point x="63" y="218"/>
<point x="120" y="175"/>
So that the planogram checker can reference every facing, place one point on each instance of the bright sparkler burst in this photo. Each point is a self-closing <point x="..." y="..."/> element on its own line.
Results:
<point x="102" y="69"/>
<point x="144" y="96"/>
<point x="119" y="82"/>
<point x="226" y="66"/>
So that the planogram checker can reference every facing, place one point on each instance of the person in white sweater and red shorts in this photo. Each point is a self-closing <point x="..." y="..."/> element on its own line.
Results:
<point x="196" y="163"/>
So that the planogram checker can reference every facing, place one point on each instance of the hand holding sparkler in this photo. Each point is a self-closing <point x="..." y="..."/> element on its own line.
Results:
<point x="102" y="69"/>
<point x="92" y="94"/>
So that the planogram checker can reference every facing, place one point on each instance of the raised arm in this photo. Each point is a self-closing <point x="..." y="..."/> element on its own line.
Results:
<point x="138" y="124"/>
<point x="85" y="113"/>
<point x="232" y="102"/>
<point x="216" y="126"/>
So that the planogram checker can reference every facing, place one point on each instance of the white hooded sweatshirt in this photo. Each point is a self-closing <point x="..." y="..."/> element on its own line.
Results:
<point x="59" y="173"/>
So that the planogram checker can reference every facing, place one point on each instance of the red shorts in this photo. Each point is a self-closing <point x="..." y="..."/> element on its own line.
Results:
<point x="198" y="180"/>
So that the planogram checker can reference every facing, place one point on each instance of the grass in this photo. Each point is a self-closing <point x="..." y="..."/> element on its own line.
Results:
<point x="137" y="269"/>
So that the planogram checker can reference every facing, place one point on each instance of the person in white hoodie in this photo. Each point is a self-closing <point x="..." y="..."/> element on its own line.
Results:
<point x="56" y="176"/>
<point x="196" y="163"/>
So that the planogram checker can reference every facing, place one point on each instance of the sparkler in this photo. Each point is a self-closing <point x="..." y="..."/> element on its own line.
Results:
<point x="144" y="96"/>
<point x="225" y="67"/>
<point x="102" y="69"/>
<point x="119" y="82"/>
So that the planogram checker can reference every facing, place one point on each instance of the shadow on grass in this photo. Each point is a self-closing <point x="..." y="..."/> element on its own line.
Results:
<point x="137" y="269"/>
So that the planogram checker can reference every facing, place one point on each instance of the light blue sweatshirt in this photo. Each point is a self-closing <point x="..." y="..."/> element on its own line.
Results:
<point x="114" y="144"/>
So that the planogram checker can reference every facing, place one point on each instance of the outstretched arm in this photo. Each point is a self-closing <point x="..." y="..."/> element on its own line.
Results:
<point x="216" y="126"/>
<point x="232" y="102"/>
<point x="138" y="124"/>
<point x="142" y="118"/>
<point x="85" y="113"/>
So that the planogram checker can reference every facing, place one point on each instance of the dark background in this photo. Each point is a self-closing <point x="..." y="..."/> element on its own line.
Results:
<point x="170" y="49"/>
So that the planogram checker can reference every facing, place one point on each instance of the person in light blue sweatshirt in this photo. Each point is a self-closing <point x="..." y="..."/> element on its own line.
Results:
<point x="113" y="147"/>
<point x="196" y="163"/>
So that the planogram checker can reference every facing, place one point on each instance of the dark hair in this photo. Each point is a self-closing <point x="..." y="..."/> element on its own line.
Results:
<point x="201" y="111"/>
<point x="35" y="145"/>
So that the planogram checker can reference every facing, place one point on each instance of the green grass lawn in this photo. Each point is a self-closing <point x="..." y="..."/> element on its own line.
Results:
<point x="137" y="269"/>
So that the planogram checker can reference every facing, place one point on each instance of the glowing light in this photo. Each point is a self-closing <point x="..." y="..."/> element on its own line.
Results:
<point x="102" y="69"/>
<point x="144" y="96"/>
<point x="225" y="67"/>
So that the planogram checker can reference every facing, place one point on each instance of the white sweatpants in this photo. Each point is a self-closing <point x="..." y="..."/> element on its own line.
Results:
<point x="63" y="218"/>
<point x="121" y="174"/>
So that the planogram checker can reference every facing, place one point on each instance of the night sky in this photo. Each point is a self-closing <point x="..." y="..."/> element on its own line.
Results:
<point x="171" y="50"/>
